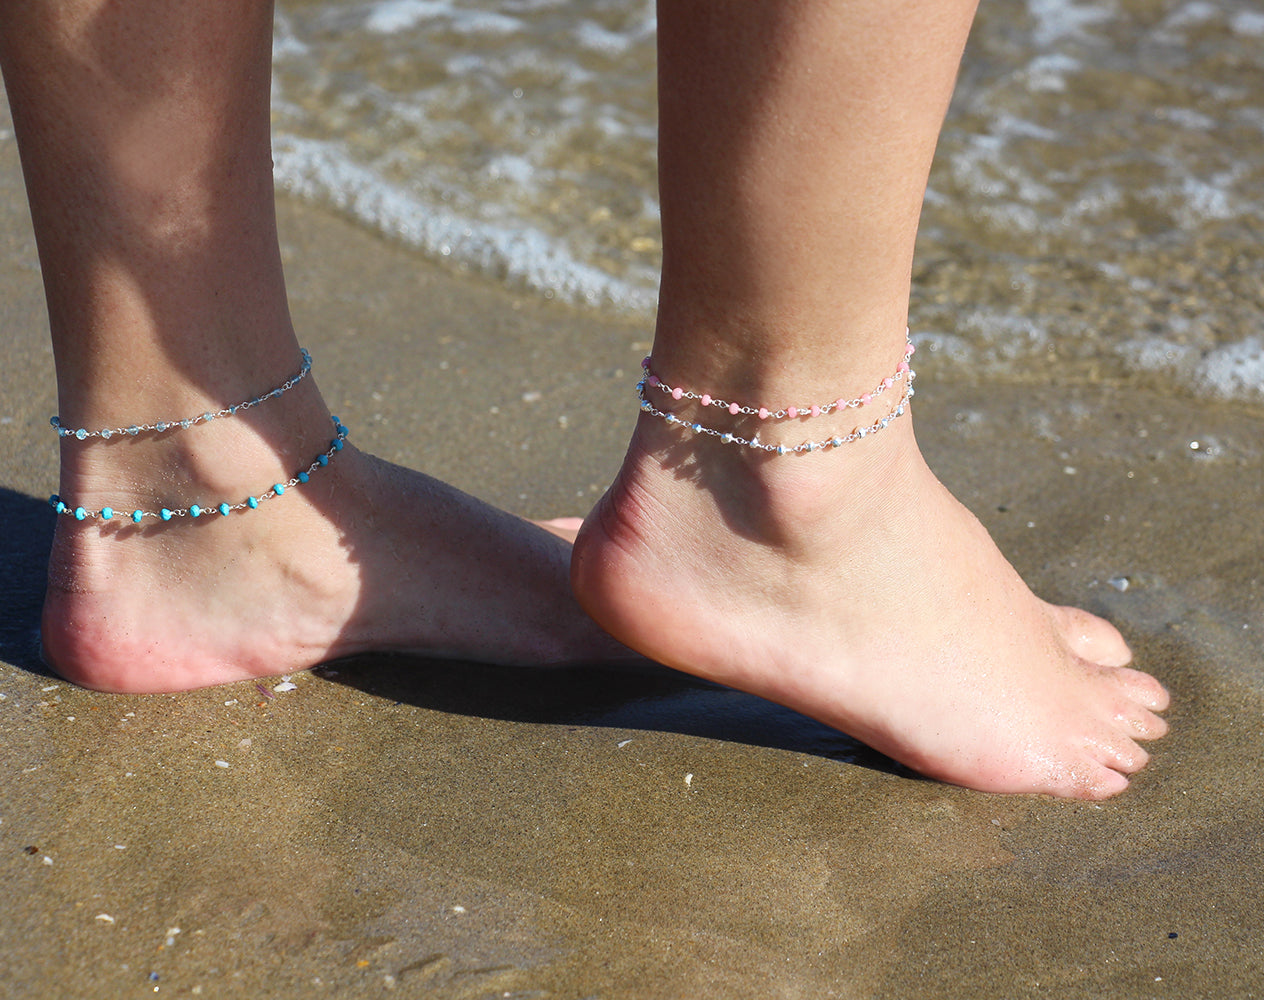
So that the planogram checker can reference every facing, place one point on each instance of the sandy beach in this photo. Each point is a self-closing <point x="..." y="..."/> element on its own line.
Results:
<point x="400" y="827"/>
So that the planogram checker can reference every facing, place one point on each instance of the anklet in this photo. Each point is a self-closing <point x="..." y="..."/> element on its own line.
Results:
<point x="196" y="510"/>
<point x="788" y="412"/>
<point x="836" y="441"/>
<point x="83" y="434"/>
<point x="903" y="373"/>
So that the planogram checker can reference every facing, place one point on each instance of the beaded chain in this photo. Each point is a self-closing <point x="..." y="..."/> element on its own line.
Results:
<point x="194" y="511"/>
<point x="224" y="508"/>
<point x="903" y="373"/>
<point x="160" y="426"/>
<point x="787" y="412"/>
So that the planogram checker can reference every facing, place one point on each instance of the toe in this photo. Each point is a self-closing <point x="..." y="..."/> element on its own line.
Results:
<point x="1093" y="780"/>
<point x="1092" y="638"/>
<point x="1120" y="754"/>
<point x="1145" y="725"/>
<point x="1143" y="689"/>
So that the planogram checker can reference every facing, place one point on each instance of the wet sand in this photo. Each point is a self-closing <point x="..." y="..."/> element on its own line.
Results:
<point x="401" y="827"/>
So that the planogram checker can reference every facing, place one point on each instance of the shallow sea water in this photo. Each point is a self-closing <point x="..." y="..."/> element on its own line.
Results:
<point x="1098" y="198"/>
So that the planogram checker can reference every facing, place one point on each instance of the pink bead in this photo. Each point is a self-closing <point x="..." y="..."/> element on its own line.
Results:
<point x="887" y="383"/>
<point x="763" y="413"/>
<point x="654" y="380"/>
<point x="866" y="399"/>
<point x="903" y="366"/>
<point x="734" y="409"/>
<point x="706" y="399"/>
<point x="677" y="393"/>
<point x="840" y="403"/>
<point x="908" y="351"/>
<point x="792" y="412"/>
<point x="816" y="410"/>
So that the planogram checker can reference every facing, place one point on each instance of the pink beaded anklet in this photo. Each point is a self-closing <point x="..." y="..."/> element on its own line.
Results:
<point x="903" y="373"/>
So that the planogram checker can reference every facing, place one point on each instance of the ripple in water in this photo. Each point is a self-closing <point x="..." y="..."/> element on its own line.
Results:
<point x="1097" y="200"/>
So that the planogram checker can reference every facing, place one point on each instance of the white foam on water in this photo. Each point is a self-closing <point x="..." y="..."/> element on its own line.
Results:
<point x="1233" y="371"/>
<point x="516" y="253"/>
<point x="1248" y="22"/>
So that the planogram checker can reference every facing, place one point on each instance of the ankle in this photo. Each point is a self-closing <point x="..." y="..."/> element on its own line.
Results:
<point x="227" y="457"/>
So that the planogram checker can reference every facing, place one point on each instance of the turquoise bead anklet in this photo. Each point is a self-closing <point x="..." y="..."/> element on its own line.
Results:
<point x="195" y="511"/>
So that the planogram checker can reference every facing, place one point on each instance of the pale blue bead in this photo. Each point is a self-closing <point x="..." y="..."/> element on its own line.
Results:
<point x="81" y="434"/>
<point x="781" y="449"/>
<point x="208" y="416"/>
<point x="133" y="430"/>
<point x="107" y="434"/>
<point x="107" y="513"/>
<point x="186" y="424"/>
<point x="160" y="426"/>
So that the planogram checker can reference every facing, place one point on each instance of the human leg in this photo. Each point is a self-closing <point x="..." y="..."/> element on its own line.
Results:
<point x="795" y="143"/>
<point x="144" y="134"/>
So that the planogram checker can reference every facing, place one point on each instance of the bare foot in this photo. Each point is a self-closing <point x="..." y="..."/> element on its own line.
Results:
<point x="853" y="587"/>
<point x="366" y="556"/>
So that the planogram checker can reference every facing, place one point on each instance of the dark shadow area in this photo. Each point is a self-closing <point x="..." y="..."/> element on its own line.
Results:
<point x="614" y="697"/>
<point x="25" y="540"/>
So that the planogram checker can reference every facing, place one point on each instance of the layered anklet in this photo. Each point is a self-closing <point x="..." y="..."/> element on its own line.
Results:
<point x="903" y="375"/>
<point x="194" y="511"/>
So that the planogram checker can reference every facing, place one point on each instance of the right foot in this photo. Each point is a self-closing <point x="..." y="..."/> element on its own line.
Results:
<point x="367" y="556"/>
<point x="852" y="587"/>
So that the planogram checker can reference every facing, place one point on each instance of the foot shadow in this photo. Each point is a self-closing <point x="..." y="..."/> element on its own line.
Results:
<point x="605" y="696"/>
<point x="25" y="541"/>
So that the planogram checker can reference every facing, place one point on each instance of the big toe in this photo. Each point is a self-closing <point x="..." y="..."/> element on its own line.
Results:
<point x="1092" y="638"/>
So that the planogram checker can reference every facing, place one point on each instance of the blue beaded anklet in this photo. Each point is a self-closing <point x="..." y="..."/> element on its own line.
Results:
<point x="196" y="510"/>
<point x="160" y="426"/>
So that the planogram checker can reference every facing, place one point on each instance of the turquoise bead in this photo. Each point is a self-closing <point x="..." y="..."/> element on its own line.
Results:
<point x="107" y="513"/>
<point x="165" y="514"/>
<point x="224" y="509"/>
<point x="195" y="511"/>
<point x="137" y="515"/>
<point x="337" y="444"/>
<point x="252" y="502"/>
<point x="278" y="488"/>
<point x="80" y="513"/>
<point x="323" y="460"/>
<point x="303" y="477"/>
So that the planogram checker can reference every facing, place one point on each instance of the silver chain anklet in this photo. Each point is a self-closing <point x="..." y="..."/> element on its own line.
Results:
<point x="82" y="433"/>
<point x="903" y="373"/>
<point x="197" y="510"/>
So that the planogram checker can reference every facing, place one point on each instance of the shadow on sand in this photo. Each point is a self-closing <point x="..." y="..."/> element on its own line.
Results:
<point x="645" y="697"/>
<point x="25" y="539"/>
